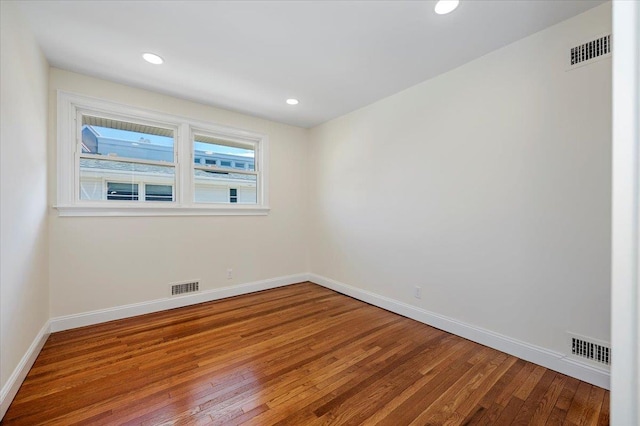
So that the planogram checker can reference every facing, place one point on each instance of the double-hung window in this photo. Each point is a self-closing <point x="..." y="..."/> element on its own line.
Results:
<point x="223" y="181"/>
<point x="125" y="160"/>
<point x="118" y="160"/>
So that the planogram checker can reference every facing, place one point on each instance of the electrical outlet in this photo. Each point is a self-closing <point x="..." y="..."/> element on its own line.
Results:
<point x="229" y="274"/>
<point x="417" y="292"/>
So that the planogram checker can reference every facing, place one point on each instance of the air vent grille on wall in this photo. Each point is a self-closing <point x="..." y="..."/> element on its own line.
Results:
<point x="591" y="50"/>
<point x="186" y="287"/>
<point x="590" y="350"/>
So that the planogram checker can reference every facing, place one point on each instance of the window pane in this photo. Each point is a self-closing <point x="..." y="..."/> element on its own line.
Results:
<point x="94" y="174"/>
<point x="247" y="195"/>
<point x="115" y="138"/>
<point x="158" y="193"/>
<point x="223" y="155"/>
<point x="223" y="187"/>
<point x="210" y="194"/>
<point x="122" y="191"/>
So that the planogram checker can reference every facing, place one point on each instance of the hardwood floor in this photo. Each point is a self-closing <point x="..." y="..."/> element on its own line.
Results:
<point x="297" y="355"/>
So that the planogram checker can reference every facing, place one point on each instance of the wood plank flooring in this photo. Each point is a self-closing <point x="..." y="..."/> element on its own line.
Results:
<point x="296" y="355"/>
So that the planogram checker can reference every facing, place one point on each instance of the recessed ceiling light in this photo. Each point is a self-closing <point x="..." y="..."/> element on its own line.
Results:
<point x="152" y="58"/>
<point x="446" y="6"/>
<point x="292" y="101"/>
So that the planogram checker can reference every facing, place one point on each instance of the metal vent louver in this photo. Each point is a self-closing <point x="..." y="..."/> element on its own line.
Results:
<point x="591" y="350"/>
<point x="589" y="51"/>
<point x="186" y="287"/>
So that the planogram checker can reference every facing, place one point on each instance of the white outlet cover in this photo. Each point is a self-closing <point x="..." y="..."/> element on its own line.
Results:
<point x="417" y="292"/>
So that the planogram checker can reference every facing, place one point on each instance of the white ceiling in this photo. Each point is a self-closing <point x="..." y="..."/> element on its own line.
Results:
<point x="250" y="56"/>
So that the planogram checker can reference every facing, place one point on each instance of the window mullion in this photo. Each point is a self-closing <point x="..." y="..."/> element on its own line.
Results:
<point x="142" y="190"/>
<point x="185" y="165"/>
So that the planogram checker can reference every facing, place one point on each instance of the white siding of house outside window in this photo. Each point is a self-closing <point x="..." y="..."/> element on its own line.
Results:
<point x="211" y="194"/>
<point x="246" y="195"/>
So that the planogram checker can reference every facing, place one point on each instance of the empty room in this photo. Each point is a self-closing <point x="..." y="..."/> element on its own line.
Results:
<point x="319" y="212"/>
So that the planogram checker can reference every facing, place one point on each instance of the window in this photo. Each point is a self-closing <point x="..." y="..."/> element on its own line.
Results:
<point x="117" y="150"/>
<point x="118" y="160"/>
<point x="221" y="183"/>
<point x="158" y="192"/>
<point x="122" y="191"/>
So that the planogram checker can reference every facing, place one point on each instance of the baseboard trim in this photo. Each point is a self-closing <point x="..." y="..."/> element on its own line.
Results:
<point x="119" y="312"/>
<point x="10" y="389"/>
<point x="550" y="359"/>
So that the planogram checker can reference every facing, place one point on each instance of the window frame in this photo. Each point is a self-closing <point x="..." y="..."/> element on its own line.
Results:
<point x="68" y="202"/>
<point x="79" y="155"/>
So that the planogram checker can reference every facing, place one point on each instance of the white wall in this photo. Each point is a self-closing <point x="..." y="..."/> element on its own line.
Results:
<point x="489" y="186"/>
<point x="104" y="262"/>
<point x="24" y="294"/>
<point x="625" y="253"/>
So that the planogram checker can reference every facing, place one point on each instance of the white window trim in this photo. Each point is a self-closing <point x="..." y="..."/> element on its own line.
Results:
<point x="68" y="200"/>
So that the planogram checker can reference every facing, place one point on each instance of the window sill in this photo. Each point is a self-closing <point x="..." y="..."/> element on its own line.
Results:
<point x="103" y="210"/>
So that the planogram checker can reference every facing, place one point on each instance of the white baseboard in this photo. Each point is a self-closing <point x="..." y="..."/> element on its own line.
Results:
<point x="103" y="315"/>
<point x="550" y="359"/>
<point x="10" y="389"/>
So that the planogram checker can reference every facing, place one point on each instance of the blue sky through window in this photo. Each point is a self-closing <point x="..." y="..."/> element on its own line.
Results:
<point x="128" y="135"/>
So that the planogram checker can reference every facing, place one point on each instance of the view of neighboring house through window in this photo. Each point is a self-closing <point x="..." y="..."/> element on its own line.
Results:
<point x="224" y="170"/>
<point x="158" y="192"/>
<point x="126" y="161"/>
<point x="122" y="191"/>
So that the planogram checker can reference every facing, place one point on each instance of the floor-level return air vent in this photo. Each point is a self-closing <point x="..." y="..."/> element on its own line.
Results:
<point x="592" y="350"/>
<point x="185" y="287"/>
<point x="590" y="51"/>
